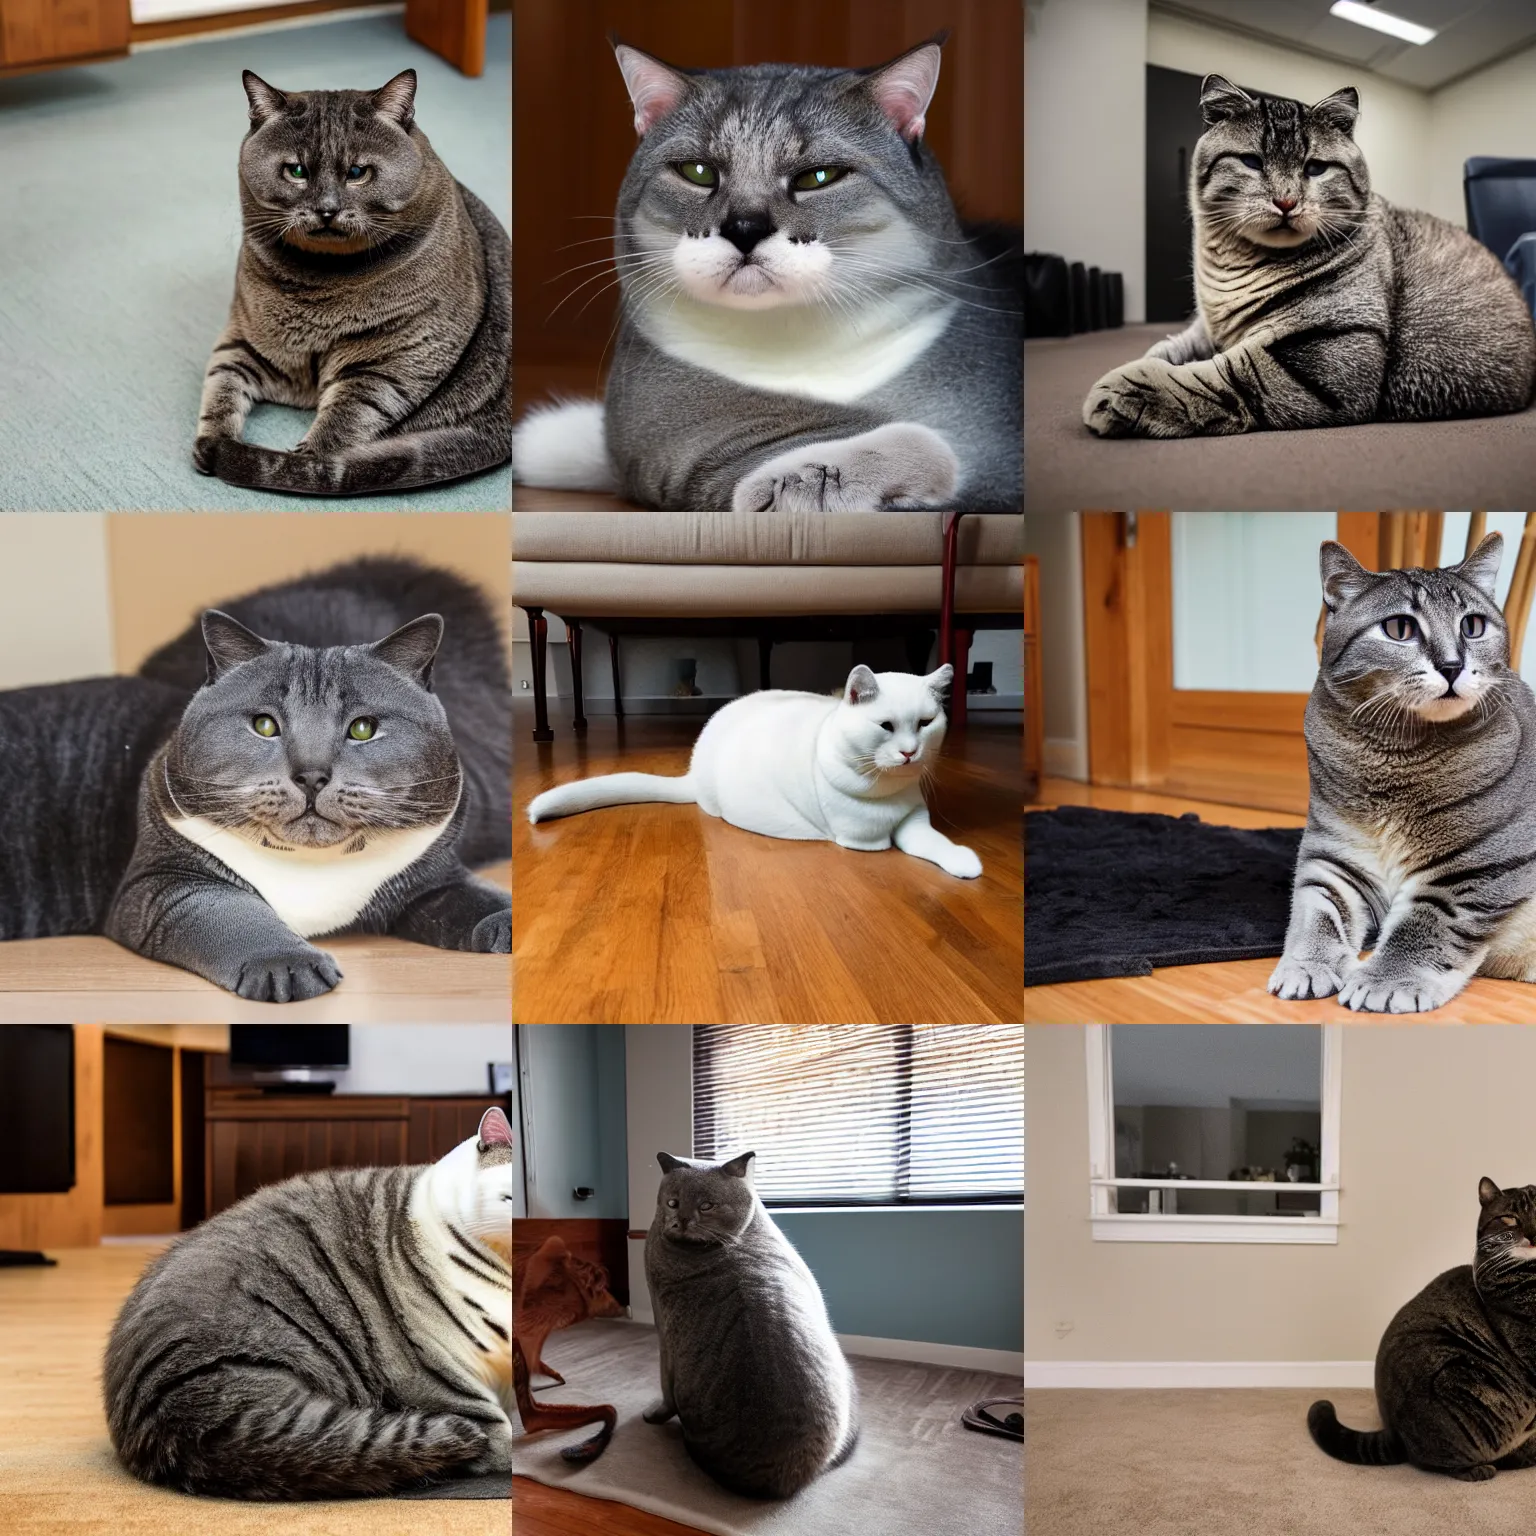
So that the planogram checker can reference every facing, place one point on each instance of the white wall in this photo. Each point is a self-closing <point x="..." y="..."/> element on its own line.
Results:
<point x="1056" y="539"/>
<point x="423" y="1058"/>
<point x="659" y="1111"/>
<point x="55" y="605"/>
<point x="1490" y="113"/>
<point x="1085" y="128"/>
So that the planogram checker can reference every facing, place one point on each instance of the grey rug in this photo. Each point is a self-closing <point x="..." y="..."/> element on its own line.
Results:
<point x="916" y="1471"/>
<point x="498" y="1485"/>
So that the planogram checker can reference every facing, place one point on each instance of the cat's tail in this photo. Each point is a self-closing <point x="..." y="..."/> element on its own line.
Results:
<point x="611" y="789"/>
<point x="1362" y="1447"/>
<point x="564" y="448"/>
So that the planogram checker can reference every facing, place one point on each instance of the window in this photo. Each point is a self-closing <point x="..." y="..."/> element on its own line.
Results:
<point x="865" y="1114"/>
<point x="1214" y="1133"/>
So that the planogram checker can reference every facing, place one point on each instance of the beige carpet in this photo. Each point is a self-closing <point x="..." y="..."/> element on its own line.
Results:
<point x="915" y="1472"/>
<point x="1225" y="1463"/>
<point x="1487" y="462"/>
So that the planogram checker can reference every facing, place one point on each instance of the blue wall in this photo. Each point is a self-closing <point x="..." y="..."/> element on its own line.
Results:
<point x="576" y="1099"/>
<point x="940" y="1276"/>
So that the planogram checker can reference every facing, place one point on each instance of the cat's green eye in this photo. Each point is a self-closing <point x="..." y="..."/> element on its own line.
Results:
<point x="1399" y="627"/>
<point x="265" y="725"/>
<point x="295" y="172"/>
<point x="698" y="173"/>
<point x="822" y="176"/>
<point x="356" y="172"/>
<point x="364" y="728"/>
<point x="1474" y="626"/>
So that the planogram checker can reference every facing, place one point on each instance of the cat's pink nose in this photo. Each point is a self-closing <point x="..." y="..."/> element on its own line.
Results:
<point x="906" y="757"/>
<point x="1285" y="204"/>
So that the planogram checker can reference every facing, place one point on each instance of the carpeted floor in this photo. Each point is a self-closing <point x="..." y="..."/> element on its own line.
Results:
<point x="915" y="1472"/>
<point x="1211" y="1463"/>
<point x="118" y="245"/>
<point x="1487" y="462"/>
<point x="1114" y="893"/>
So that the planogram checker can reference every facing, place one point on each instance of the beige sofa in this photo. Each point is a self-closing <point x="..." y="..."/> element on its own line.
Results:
<point x="771" y="575"/>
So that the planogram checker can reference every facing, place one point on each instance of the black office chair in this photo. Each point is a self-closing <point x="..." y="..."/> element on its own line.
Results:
<point x="1501" y="200"/>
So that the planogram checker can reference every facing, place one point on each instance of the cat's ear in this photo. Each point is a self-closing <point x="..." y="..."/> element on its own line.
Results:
<point x="861" y="686"/>
<point x="1487" y="1191"/>
<point x="1343" y="576"/>
<point x="1220" y="99"/>
<point x="738" y="1167"/>
<point x="939" y="681"/>
<point x="1481" y="567"/>
<point x="495" y="1129"/>
<point x="1338" y="111"/>
<point x="265" y="100"/>
<point x="903" y="88"/>
<point x="668" y="1162"/>
<point x="411" y="648"/>
<point x="396" y="99"/>
<point x="654" y="88"/>
<point x="228" y="643"/>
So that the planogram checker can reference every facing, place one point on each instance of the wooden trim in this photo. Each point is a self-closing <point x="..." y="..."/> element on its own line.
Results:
<point x="141" y="1220"/>
<point x="1106" y="646"/>
<point x="1272" y="713"/>
<point x="8" y="71"/>
<point x="238" y="1104"/>
<point x="231" y="21"/>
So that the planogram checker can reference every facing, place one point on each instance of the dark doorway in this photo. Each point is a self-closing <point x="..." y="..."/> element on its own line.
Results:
<point x="1174" y="123"/>
<point x="37" y="1109"/>
<point x="138" y="1120"/>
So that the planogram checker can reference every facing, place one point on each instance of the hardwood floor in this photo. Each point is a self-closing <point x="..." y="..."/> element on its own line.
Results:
<point x="662" y="914"/>
<point x="541" y="1511"/>
<point x="1232" y="992"/>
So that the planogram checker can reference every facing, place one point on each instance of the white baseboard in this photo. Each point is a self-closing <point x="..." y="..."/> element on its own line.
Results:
<point x="1198" y="1373"/>
<point x="1066" y="758"/>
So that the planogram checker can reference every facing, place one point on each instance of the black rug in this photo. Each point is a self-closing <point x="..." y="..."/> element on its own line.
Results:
<point x="1109" y="893"/>
<point x="494" y="1485"/>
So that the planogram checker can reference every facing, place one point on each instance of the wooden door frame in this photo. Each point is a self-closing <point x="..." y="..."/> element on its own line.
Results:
<point x="1143" y="733"/>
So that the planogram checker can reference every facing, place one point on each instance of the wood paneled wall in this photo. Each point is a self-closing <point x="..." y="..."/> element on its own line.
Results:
<point x="573" y="126"/>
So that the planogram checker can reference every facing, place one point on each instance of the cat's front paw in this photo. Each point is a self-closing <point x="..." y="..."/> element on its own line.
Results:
<point x="1372" y="992"/>
<point x="293" y="976"/>
<point x="205" y="454"/>
<point x="1297" y="980"/>
<point x="901" y="465"/>
<point x="493" y="935"/>
<point x="961" y="862"/>
<point x="1130" y="402"/>
<point x="659" y="1412"/>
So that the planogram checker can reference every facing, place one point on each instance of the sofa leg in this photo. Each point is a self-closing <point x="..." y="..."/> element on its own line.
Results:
<point x="538" y="634"/>
<point x="613" y="661"/>
<point x="764" y="660"/>
<point x="573" y="630"/>
<point x="962" y="660"/>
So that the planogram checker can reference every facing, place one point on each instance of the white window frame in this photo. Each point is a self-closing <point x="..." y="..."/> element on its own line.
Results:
<point x="1112" y="1226"/>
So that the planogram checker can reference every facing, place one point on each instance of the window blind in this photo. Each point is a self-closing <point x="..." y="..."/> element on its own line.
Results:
<point x="865" y="1114"/>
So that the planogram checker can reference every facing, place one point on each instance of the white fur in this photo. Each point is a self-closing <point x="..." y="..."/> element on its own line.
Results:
<point x="564" y="448"/>
<point x="804" y="766"/>
<point x="313" y="890"/>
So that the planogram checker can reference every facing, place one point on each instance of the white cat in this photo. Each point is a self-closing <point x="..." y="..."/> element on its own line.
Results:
<point x="807" y="766"/>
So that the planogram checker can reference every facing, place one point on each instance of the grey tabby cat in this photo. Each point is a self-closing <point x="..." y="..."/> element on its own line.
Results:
<point x="372" y="287"/>
<point x="749" y="1363"/>
<point x="1453" y="1372"/>
<point x="341" y="1333"/>
<point x="1420" y="843"/>
<point x="1319" y="303"/>
<point x="805" y="325"/>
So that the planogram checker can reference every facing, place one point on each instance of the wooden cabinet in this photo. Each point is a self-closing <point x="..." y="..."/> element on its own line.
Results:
<point x="452" y="29"/>
<point x="36" y="33"/>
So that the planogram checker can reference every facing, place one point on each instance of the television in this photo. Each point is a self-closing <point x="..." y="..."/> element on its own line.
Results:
<point x="290" y="1056"/>
<point x="37" y="1109"/>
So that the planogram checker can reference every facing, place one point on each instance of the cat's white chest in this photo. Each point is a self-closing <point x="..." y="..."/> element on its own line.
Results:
<point x="313" y="890"/>
<point x="821" y="356"/>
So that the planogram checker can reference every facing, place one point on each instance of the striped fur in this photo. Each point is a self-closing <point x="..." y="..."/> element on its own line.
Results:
<point x="1339" y="308"/>
<point x="342" y="1333"/>
<point x="1420" y="843"/>
<point x="382" y="304"/>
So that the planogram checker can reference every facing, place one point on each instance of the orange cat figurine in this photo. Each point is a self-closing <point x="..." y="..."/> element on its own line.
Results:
<point x="558" y="1290"/>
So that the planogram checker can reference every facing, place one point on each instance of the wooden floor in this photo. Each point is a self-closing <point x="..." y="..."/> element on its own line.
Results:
<point x="70" y="980"/>
<point x="661" y="914"/>
<point x="1232" y="992"/>
<point x="541" y="1511"/>
<point x="57" y="1470"/>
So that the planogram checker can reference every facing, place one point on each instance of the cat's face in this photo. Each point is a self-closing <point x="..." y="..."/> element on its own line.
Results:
<point x="702" y="1205"/>
<point x="778" y="185"/>
<point x="293" y="747"/>
<point x="472" y="1185"/>
<point x="1426" y="644"/>
<point x="1279" y="173"/>
<point x="329" y="171"/>
<point x="1506" y="1225"/>
<point x="892" y="723"/>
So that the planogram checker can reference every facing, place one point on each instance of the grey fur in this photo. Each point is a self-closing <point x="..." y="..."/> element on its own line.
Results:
<point x="399" y="337"/>
<point x="1453" y="1377"/>
<point x="749" y="1363"/>
<point x="1420" y="842"/>
<point x="1364" y="311"/>
<point x="285" y="1349"/>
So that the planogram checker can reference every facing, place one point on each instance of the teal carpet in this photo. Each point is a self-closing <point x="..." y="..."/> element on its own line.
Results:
<point x="118" y="238"/>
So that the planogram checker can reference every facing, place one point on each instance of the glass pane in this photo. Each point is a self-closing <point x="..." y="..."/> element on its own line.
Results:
<point x="1246" y="597"/>
<point x="1453" y="547"/>
<point x="1218" y="1101"/>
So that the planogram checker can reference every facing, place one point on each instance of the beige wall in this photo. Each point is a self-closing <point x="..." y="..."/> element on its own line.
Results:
<point x="658" y="1077"/>
<point x="55" y="612"/>
<point x="1056" y="538"/>
<point x="1426" y="1111"/>
<point x="1490" y="113"/>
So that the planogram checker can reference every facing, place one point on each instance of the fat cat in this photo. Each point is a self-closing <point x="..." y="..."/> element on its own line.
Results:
<point x="787" y="764"/>
<point x="302" y="789"/>
<point x="1420" y="843"/>
<point x="750" y="1366"/>
<point x="371" y="287"/>
<point x="1453" y="1378"/>
<point x="805" y="325"/>
<point x="1319" y="303"/>
<point x="341" y="1333"/>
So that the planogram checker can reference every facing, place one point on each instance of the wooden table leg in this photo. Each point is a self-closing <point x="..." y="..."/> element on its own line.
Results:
<point x="573" y="631"/>
<point x="538" y="636"/>
<point x="947" y="591"/>
<point x="613" y="661"/>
